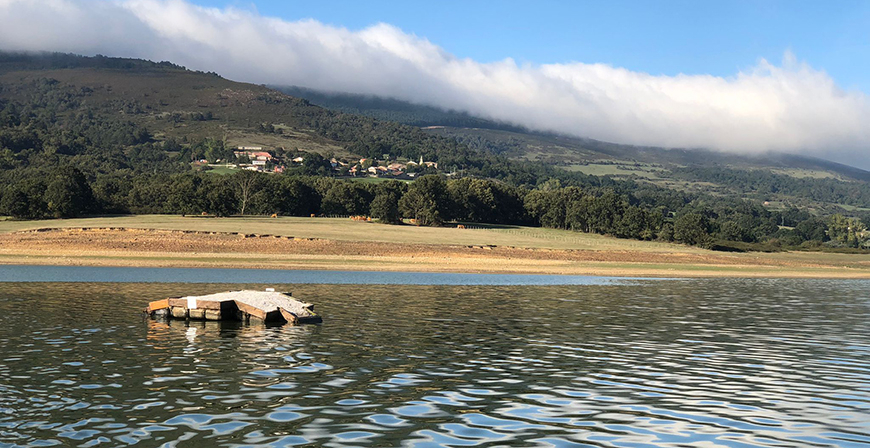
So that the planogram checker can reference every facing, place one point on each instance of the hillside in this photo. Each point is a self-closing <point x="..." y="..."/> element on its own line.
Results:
<point x="520" y="143"/>
<point x="124" y="103"/>
<point x="775" y="179"/>
<point x="166" y="99"/>
<point x="390" y="109"/>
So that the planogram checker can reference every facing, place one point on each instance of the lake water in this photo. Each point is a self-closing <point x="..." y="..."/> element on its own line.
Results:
<point x="26" y="273"/>
<point x="707" y="363"/>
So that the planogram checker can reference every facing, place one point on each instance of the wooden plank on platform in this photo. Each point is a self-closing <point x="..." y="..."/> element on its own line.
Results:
<point x="253" y="311"/>
<point x="158" y="305"/>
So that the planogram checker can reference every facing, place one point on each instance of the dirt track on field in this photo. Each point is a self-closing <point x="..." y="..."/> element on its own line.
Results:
<point x="172" y="248"/>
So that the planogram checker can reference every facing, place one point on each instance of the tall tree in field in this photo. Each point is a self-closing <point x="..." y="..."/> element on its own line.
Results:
<point x="578" y="215"/>
<point x="426" y="201"/>
<point x="694" y="229"/>
<point x="606" y="212"/>
<point x="220" y="197"/>
<point x="346" y="198"/>
<point x="297" y="197"/>
<point x="184" y="195"/>
<point x="15" y="203"/>
<point x="68" y="193"/>
<point x="245" y="183"/>
<point x="385" y="206"/>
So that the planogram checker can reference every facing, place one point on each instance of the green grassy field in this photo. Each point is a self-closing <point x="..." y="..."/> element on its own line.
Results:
<point x="222" y="170"/>
<point x="853" y="208"/>
<point x="347" y="230"/>
<point x="376" y="180"/>
<point x="807" y="174"/>
<point x="594" y="169"/>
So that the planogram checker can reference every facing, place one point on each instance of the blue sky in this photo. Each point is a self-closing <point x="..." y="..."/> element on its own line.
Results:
<point x="666" y="37"/>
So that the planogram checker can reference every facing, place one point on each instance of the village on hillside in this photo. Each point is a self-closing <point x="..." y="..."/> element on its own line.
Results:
<point x="256" y="158"/>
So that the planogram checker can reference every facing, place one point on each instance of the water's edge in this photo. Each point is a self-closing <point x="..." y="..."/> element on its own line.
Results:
<point x="103" y="274"/>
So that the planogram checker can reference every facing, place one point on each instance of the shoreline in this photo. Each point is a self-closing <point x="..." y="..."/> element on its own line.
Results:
<point x="690" y="272"/>
<point x="162" y="248"/>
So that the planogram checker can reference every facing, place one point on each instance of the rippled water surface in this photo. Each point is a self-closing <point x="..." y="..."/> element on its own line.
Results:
<point x="34" y="273"/>
<point x="706" y="363"/>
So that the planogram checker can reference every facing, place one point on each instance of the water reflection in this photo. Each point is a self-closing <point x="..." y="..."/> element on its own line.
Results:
<point x="91" y="274"/>
<point x="702" y="363"/>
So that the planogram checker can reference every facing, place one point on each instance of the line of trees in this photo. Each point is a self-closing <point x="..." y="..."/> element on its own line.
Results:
<point x="70" y="150"/>
<point x="431" y="200"/>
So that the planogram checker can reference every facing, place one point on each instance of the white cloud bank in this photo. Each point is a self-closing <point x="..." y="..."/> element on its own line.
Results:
<point x="791" y="107"/>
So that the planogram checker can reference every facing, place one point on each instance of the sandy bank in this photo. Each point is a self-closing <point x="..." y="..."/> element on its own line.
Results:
<point x="174" y="248"/>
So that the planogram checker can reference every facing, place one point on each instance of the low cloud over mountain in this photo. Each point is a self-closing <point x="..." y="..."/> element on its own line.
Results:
<point x="789" y="107"/>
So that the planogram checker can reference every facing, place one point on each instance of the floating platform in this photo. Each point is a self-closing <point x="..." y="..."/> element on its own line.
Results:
<point x="246" y="306"/>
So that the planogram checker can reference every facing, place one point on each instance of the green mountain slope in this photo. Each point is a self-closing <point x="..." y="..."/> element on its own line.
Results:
<point x="798" y="180"/>
<point x="155" y="103"/>
<point x="390" y="109"/>
<point x="520" y="143"/>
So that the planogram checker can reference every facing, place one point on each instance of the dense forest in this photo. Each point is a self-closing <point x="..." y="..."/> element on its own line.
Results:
<point x="764" y="184"/>
<point x="72" y="149"/>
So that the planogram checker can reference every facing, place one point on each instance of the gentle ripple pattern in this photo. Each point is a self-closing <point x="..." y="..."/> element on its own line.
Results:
<point x="701" y="363"/>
